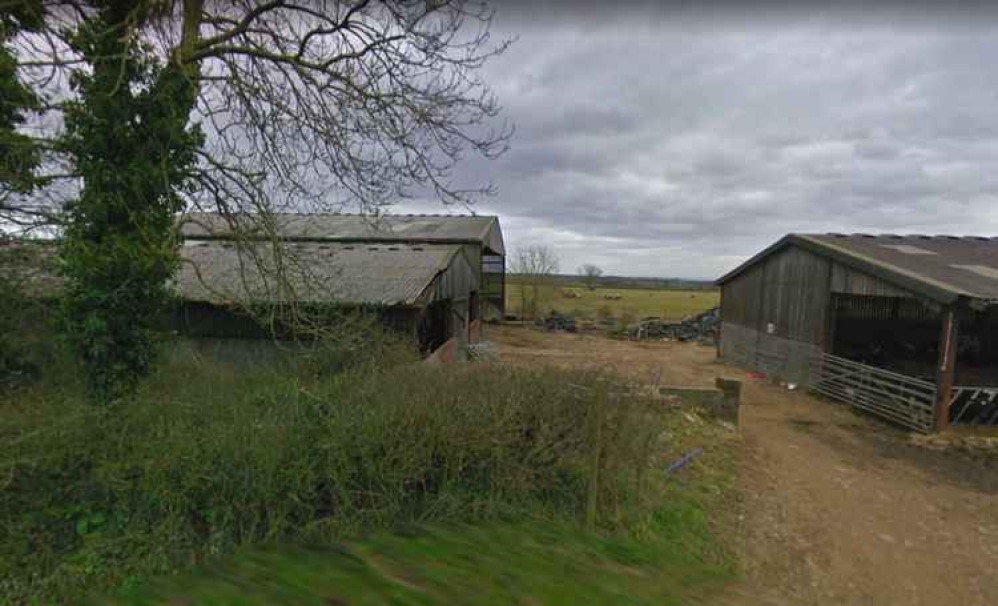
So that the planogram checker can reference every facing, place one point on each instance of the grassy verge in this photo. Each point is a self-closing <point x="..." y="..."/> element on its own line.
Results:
<point x="673" y="553"/>
<point x="207" y="462"/>
<point x="230" y="471"/>
<point x="539" y="563"/>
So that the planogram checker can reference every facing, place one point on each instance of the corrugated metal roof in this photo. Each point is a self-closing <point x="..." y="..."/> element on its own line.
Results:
<point x="942" y="268"/>
<point x="344" y="227"/>
<point x="376" y="274"/>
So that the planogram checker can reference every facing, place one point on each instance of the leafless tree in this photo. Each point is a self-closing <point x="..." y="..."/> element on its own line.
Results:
<point x="312" y="106"/>
<point x="534" y="266"/>
<point x="321" y="106"/>
<point x="590" y="275"/>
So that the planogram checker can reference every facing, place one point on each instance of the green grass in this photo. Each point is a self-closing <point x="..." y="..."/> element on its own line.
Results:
<point x="673" y="554"/>
<point x="634" y="303"/>
<point x="540" y="563"/>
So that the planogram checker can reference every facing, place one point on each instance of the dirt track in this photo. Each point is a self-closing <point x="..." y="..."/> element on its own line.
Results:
<point x="834" y="508"/>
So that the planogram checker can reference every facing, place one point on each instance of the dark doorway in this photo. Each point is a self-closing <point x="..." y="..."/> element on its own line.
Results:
<point x="900" y="334"/>
<point x="434" y="326"/>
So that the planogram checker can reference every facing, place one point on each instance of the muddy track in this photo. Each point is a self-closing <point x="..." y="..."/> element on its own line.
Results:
<point x="834" y="508"/>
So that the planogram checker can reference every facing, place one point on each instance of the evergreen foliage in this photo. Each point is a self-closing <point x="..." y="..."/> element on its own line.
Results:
<point x="128" y="132"/>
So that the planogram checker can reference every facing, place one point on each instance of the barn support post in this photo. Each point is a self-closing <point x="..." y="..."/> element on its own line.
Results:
<point x="946" y="366"/>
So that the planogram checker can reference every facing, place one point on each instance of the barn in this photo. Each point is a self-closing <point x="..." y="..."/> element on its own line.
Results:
<point x="479" y="236"/>
<point x="903" y="327"/>
<point x="433" y="276"/>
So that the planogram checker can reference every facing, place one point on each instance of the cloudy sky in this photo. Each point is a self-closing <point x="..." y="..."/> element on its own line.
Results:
<point x="657" y="142"/>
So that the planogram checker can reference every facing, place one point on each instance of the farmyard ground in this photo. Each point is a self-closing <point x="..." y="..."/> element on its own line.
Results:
<point x="834" y="508"/>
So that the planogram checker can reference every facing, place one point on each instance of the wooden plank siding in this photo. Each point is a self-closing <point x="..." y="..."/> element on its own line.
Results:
<point x="848" y="281"/>
<point x="792" y="290"/>
<point x="740" y="299"/>
<point x="789" y="289"/>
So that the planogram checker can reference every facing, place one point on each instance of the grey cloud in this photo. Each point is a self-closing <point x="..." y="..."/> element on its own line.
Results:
<point x="655" y="151"/>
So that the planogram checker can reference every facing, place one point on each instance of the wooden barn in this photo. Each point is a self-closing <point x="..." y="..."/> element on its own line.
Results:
<point x="479" y="237"/>
<point x="904" y="327"/>
<point x="432" y="277"/>
<point x="428" y="292"/>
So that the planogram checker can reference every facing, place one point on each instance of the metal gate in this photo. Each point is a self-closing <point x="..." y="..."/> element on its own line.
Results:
<point x="898" y="398"/>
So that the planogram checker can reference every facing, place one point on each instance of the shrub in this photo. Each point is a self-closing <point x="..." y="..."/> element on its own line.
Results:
<point x="208" y="460"/>
<point x="27" y="343"/>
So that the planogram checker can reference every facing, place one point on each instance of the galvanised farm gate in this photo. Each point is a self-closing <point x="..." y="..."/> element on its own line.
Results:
<point x="904" y="327"/>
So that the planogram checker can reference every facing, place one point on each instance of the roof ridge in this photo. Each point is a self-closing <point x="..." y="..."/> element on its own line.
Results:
<point x="860" y="251"/>
<point x="339" y="214"/>
<point x="895" y="235"/>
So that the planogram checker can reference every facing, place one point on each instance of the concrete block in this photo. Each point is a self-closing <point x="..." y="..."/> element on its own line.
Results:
<point x="721" y="402"/>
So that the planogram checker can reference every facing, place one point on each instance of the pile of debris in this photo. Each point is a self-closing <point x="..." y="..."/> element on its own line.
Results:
<point x="701" y="328"/>
<point x="558" y="321"/>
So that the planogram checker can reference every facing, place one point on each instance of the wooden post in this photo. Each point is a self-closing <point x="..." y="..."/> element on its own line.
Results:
<point x="596" y="435"/>
<point x="946" y="366"/>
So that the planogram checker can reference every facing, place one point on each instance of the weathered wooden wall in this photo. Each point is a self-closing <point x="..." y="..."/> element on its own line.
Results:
<point x="779" y="313"/>
<point x="848" y="281"/>
<point x="741" y="299"/>
<point x="789" y="290"/>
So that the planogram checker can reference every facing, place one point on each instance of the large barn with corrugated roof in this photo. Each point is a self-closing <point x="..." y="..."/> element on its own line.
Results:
<point x="904" y="327"/>
<point x="437" y="276"/>
<point x="434" y="277"/>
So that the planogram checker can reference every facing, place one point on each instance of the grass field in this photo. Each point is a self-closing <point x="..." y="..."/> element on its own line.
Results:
<point x="633" y="304"/>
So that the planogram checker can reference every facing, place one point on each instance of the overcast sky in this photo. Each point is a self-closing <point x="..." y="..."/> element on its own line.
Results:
<point x="656" y="143"/>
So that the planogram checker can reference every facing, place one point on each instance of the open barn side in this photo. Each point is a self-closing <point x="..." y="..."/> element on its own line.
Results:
<point x="907" y="332"/>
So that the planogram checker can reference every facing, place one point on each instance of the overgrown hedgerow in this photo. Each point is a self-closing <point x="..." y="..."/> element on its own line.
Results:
<point x="204" y="462"/>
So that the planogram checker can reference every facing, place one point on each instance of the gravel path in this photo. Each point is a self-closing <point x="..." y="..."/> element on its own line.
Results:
<point x="841" y="509"/>
<point x="834" y="508"/>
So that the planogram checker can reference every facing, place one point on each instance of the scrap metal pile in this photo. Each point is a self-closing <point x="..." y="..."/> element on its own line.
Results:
<point x="701" y="328"/>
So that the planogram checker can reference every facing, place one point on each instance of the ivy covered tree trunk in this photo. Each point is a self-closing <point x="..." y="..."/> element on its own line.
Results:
<point x="129" y="134"/>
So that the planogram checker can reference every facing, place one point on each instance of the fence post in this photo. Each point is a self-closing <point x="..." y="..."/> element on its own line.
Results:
<point x="596" y="434"/>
